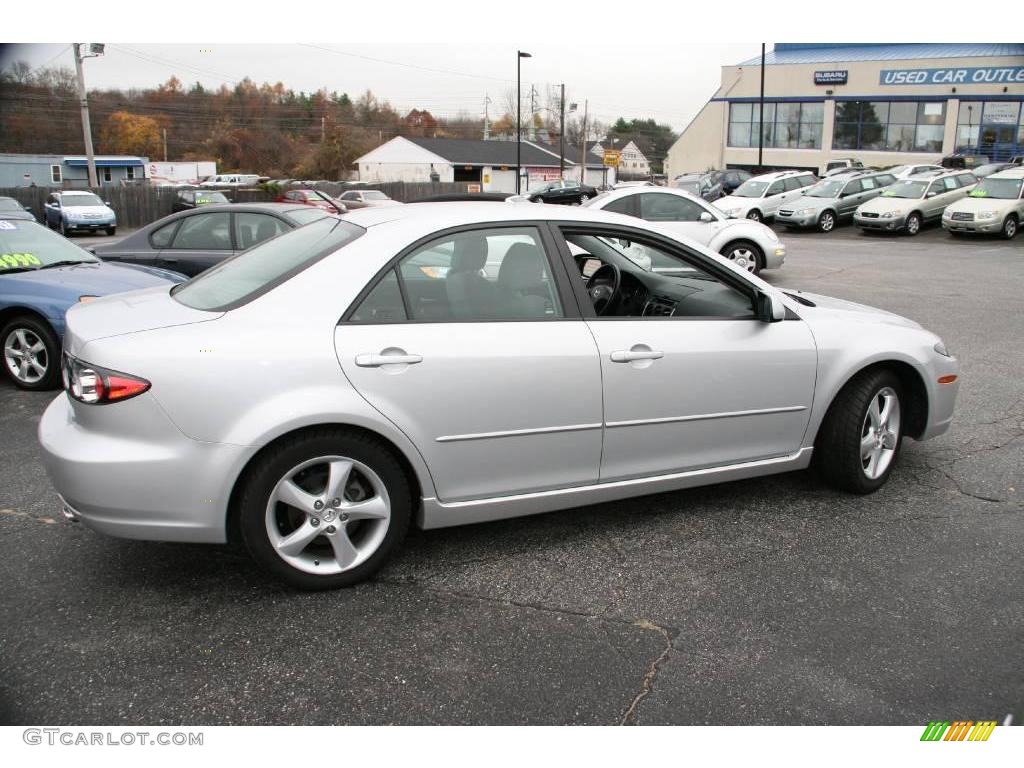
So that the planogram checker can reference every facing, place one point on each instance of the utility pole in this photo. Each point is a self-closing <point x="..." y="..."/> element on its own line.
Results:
<point x="165" y="145"/>
<point x="487" y="127"/>
<point x="760" y="120"/>
<point x="561" y="134"/>
<point x="90" y="156"/>
<point x="520" y="55"/>
<point x="583" y="143"/>
<point x="533" y="112"/>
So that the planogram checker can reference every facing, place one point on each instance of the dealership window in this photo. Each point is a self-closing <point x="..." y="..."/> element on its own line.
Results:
<point x="787" y="124"/>
<point x="55" y="176"/>
<point x="893" y="126"/>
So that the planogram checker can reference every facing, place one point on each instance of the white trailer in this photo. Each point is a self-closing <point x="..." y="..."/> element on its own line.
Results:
<point x="186" y="172"/>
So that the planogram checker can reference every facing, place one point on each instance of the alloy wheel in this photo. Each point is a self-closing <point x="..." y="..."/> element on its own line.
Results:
<point x="827" y="222"/>
<point x="328" y="515"/>
<point x="913" y="224"/>
<point x="879" y="434"/>
<point x="1010" y="228"/>
<point x="25" y="356"/>
<point x="754" y="216"/>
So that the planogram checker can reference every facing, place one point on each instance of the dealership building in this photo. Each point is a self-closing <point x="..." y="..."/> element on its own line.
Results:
<point x="883" y="104"/>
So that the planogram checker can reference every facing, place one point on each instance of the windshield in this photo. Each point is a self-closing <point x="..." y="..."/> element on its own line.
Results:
<point x="253" y="272"/>
<point x="374" y="194"/>
<point x="27" y="245"/>
<point x="906" y="189"/>
<point x="826" y="189"/>
<point x="80" y="201"/>
<point x="10" y="204"/>
<point x="1001" y="189"/>
<point x="693" y="187"/>
<point x="751" y="189"/>
<point x="207" y="198"/>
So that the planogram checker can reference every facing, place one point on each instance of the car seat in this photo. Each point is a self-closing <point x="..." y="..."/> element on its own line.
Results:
<point x="470" y="294"/>
<point x="521" y="282"/>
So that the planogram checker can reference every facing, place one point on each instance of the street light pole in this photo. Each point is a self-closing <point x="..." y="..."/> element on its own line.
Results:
<point x="86" y="128"/>
<point x="520" y="55"/>
<point x="561" y="135"/>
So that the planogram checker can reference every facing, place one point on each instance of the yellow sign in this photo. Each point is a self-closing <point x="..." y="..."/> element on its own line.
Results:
<point x="487" y="178"/>
<point x="612" y="158"/>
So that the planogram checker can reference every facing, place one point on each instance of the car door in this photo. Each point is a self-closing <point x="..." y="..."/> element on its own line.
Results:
<point x="680" y="214"/>
<point x="774" y="196"/>
<point x="851" y="196"/>
<point x="692" y="379"/>
<point x="948" y="191"/>
<point x="495" y="379"/>
<point x="200" y="241"/>
<point x="51" y="210"/>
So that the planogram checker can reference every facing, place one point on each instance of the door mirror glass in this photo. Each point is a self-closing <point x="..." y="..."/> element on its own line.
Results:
<point x="706" y="217"/>
<point x="770" y="308"/>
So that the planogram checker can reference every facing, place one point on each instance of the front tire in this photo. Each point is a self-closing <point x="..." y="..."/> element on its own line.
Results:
<point x="860" y="440"/>
<point x="827" y="221"/>
<point x="1010" y="227"/>
<point x="755" y="215"/>
<point x="913" y="225"/>
<point x="63" y="228"/>
<point x="745" y="256"/>
<point x="324" y="509"/>
<point x="111" y="231"/>
<point x="31" y="353"/>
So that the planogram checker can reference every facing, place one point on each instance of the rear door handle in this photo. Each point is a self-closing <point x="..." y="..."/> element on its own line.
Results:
<point x="629" y="355"/>
<point x="368" y="360"/>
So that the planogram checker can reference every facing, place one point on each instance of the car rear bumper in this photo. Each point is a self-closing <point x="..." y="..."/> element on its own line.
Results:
<point x="131" y="473"/>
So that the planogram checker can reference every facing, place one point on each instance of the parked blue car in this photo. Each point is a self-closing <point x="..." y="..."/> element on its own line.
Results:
<point x="41" y="276"/>
<point x="76" y="211"/>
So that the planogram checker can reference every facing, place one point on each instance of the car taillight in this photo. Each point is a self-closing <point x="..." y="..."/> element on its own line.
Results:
<point x="94" y="385"/>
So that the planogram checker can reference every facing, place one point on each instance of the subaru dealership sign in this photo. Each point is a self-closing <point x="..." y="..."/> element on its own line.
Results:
<point x="952" y="76"/>
<point x="831" y="77"/>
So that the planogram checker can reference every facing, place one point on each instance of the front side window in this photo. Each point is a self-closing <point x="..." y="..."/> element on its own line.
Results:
<point x="662" y="207"/>
<point x="204" y="232"/>
<point x="483" y="275"/>
<point x="250" y="274"/>
<point x="777" y="188"/>
<point x="908" y="190"/>
<point x="654" y="282"/>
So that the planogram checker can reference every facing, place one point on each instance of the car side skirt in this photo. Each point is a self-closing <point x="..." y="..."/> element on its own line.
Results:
<point x="438" y="514"/>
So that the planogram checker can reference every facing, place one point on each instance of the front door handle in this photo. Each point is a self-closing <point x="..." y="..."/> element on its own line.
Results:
<point x="630" y="355"/>
<point x="368" y="360"/>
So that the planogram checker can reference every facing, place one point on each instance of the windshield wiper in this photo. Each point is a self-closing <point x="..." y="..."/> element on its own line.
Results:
<point x="65" y="263"/>
<point x="12" y="270"/>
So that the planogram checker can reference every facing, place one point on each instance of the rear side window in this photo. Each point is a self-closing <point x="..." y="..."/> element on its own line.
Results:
<point x="162" y="237"/>
<point x="966" y="179"/>
<point x="868" y="183"/>
<point x="626" y="205"/>
<point x="793" y="184"/>
<point x="242" y="278"/>
<point x="204" y="232"/>
<point x="949" y="183"/>
<point x="885" y="180"/>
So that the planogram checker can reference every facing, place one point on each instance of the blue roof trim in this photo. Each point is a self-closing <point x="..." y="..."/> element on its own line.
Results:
<point x="878" y="97"/>
<point x="105" y="163"/>
<point x="831" y="53"/>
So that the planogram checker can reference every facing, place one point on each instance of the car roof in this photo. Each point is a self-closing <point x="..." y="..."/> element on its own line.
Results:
<point x="75" y="192"/>
<point x="621" y="192"/>
<point x="779" y="175"/>
<point x="1013" y="172"/>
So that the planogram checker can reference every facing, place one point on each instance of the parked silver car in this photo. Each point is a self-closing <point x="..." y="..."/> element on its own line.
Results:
<point x="324" y="390"/>
<point x="833" y="200"/>
<point x="749" y="244"/>
<point x="906" y="205"/>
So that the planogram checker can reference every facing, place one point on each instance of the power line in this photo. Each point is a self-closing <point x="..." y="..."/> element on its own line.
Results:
<point x="403" y="64"/>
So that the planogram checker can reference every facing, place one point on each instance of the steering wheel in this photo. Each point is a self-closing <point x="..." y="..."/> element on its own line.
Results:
<point x="603" y="287"/>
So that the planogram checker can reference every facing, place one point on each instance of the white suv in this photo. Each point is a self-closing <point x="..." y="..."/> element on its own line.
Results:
<point x="759" y="198"/>
<point x="995" y="205"/>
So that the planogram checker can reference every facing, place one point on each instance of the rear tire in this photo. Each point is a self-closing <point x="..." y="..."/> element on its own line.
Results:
<point x="31" y="353"/>
<point x="347" y="545"/>
<point x="851" y="437"/>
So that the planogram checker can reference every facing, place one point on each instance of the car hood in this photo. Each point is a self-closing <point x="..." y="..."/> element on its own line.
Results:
<point x="95" y="279"/>
<point x="80" y="210"/>
<point x="975" y="204"/>
<point x="882" y="204"/>
<point x="846" y="310"/>
<point x="19" y="215"/>
<point x="731" y="201"/>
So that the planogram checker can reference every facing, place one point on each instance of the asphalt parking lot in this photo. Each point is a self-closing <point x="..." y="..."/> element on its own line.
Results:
<point x="769" y="601"/>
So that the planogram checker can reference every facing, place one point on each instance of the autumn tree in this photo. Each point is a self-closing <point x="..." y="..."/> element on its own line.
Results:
<point x="124" y="133"/>
<point x="419" y="123"/>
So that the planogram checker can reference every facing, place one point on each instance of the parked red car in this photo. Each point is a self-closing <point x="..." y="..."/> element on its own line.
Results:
<point x="314" y="198"/>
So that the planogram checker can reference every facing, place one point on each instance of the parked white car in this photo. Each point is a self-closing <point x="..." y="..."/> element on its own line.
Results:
<point x="232" y="180"/>
<point x="749" y="244"/>
<point x="906" y="171"/>
<point x="906" y="205"/>
<point x="996" y="204"/>
<point x="759" y="198"/>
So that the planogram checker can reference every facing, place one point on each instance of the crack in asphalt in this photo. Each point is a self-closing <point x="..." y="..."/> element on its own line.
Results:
<point x="629" y="717"/>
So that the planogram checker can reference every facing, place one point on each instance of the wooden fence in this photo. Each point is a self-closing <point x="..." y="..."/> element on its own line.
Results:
<point x="139" y="205"/>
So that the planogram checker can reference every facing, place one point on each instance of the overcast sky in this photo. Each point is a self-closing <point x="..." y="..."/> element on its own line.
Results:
<point x="670" y="86"/>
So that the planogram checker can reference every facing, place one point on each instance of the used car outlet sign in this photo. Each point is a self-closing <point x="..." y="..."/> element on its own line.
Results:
<point x="943" y="76"/>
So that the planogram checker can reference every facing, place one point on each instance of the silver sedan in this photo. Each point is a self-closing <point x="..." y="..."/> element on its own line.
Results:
<point x="452" y="363"/>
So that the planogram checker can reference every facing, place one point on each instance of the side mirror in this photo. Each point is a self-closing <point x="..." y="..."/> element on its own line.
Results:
<point x="706" y="217"/>
<point x="770" y="308"/>
<point x="27" y="208"/>
<point x="106" y="203"/>
<point x="933" y="193"/>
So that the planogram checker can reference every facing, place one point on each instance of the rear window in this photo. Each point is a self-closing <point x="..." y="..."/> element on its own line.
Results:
<point x="242" y="278"/>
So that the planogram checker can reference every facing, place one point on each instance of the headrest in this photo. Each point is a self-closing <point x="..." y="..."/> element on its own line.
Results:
<point x="470" y="253"/>
<point x="523" y="267"/>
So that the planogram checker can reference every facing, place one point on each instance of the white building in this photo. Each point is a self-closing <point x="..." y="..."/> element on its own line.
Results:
<point x="492" y="164"/>
<point x="883" y="104"/>
<point x="634" y="162"/>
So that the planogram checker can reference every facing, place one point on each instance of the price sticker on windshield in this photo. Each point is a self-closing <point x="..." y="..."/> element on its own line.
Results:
<point x="6" y="225"/>
<point x="18" y="260"/>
